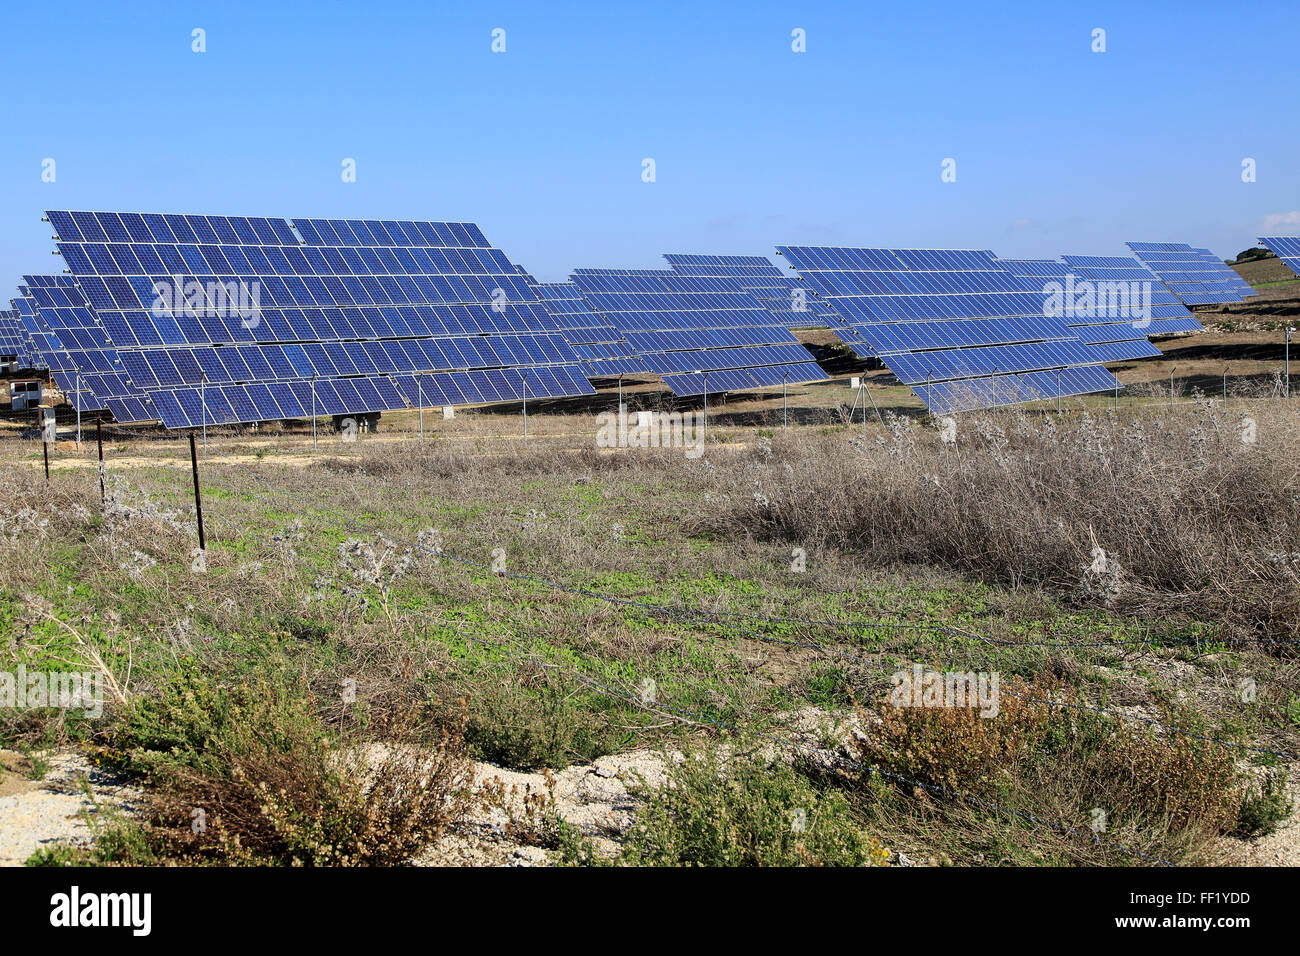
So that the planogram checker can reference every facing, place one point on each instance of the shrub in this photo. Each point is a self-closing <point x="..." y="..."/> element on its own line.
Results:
<point x="747" y="811"/>
<point x="249" y="774"/>
<point x="1059" y="763"/>
<point x="1266" y="805"/>
<point x="535" y="724"/>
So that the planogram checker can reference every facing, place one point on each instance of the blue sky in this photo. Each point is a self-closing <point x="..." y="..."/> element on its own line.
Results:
<point x="1058" y="149"/>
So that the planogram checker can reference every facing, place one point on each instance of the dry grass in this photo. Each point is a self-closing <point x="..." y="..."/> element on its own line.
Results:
<point x="1167" y="512"/>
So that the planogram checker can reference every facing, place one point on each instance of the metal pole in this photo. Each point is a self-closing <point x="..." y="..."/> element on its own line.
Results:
<point x="620" y="392"/>
<point x="203" y="402"/>
<point x="99" y="440"/>
<point x="1117" y="395"/>
<point x="419" y="388"/>
<point x="198" y="500"/>
<point x="1171" y="385"/>
<point x="1225" y="385"/>
<point x="1058" y="391"/>
<point x="523" y="376"/>
<point x="706" y="404"/>
<point x="785" y="406"/>
<point x="313" y="412"/>
<point x="877" y="411"/>
<point x="45" y="445"/>
<point x="78" y="409"/>
<point x="857" y="397"/>
<point x="1288" y="360"/>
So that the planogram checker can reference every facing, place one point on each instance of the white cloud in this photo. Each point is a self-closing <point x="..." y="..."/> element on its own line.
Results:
<point x="1291" y="218"/>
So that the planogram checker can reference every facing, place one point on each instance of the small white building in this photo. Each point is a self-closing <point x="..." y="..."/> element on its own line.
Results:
<point x="25" y="394"/>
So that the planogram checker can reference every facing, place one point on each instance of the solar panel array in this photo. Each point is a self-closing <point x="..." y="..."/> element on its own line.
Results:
<point x="42" y="343"/>
<point x="1196" y="276"/>
<point x="954" y="325"/>
<point x="1113" y="303"/>
<point x="15" y="346"/>
<point x="602" y="348"/>
<point x="1112" y="275"/>
<point x="84" y="365"/>
<point x="778" y="292"/>
<point x="1286" y="248"/>
<point x="699" y="333"/>
<point x="237" y="319"/>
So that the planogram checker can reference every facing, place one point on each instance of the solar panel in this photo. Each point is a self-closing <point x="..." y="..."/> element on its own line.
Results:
<point x="41" y="342"/>
<point x="1286" y="248"/>
<point x="15" y="343"/>
<point x="1112" y="275"/>
<point x="602" y="348"/>
<point x="778" y="292"/>
<point x="698" y="333"/>
<point x="953" y="324"/>
<point x="236" y="319"/>
<point x="1196" y="276"/>
<point x="84" y="364"/>
<point x="1112" y="303"/>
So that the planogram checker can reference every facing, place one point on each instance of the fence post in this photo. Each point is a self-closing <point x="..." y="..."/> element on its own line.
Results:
<point x="99" y="440"/>
<point x="198" y="499"/>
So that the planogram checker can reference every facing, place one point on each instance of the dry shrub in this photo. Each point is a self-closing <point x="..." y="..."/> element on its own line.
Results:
<point x="1190" y="520"/>
<point x="1059" y="762"/>
<point x="955" y="747"/>
<point x="273" y="786"/>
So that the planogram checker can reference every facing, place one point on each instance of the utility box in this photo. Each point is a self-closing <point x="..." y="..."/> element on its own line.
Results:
<point x="48" y="424"/>
<point x="25" y="394"/>
<point x="449" y="411"/>
<point x="855" y="383"/>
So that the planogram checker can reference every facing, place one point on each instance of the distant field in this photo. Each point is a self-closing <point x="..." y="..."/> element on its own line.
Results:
<point x="1263" y="271"/>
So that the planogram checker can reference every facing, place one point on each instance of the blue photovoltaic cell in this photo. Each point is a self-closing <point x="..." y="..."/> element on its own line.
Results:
<point x="1115" y="276"/>
<point x="1196" y="276"/>
<point x="1112" y="307"/>
<point x="84" y="365"/>
<point x="954" y="324"/>
<point x="698" y="332"/>
<point x="40" y="342"/>
<point x="227" y="319"/>
<point x="778" y="292"/>
<point x="16" y="343"/>
<point x="601" y="348"/>
<point x="1286" y="248"/>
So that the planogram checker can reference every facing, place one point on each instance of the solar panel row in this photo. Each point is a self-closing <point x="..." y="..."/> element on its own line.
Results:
<point x="783" y="295"/>
<point x="210" y="312"/>
<point x="15" y="344"/>
<point x="603" y="350"/>
<point x="85" y="365"/>
<point x="1196" y="276"/>
<point x="1111" y="303"/>
<point x="686" y="325"/>
<point x="956" y="317"/>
